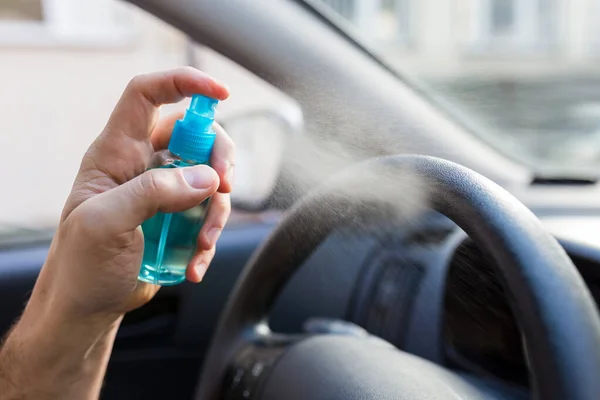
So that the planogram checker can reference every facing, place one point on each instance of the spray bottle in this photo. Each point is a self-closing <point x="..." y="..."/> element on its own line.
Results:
<point x="170" y="238"/>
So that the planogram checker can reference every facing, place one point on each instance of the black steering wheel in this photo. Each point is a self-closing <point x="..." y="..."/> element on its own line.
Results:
<point x="552" y="304"/>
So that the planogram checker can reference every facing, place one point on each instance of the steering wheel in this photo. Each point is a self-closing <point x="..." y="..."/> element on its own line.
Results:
<point x="549" y="299"/>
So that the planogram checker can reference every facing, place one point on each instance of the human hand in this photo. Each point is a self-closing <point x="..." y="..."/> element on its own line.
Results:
<point x="60" y="346"/>
<point x="95" y="257"/>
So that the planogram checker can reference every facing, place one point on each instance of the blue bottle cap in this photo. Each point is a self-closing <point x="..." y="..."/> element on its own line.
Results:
<point x="192" y="138"/>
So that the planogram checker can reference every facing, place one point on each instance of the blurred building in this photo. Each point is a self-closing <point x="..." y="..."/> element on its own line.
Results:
<point x="523" y="72"/>
<point x="454" y="38"/>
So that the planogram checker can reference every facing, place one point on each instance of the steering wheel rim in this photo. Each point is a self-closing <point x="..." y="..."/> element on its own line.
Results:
<point x="550" y="300"/>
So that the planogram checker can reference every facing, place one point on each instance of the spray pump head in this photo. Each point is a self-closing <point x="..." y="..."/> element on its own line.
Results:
<point x="193" y="137"/>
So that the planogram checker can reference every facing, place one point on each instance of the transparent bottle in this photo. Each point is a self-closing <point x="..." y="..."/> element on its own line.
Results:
<point x="170" y="238"/>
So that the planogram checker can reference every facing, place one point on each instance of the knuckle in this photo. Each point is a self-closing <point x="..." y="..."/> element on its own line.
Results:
<point x="225" y="143"/>
<point x="211" y="255"/>
<point x="84" y="223"/>
<point x="136" y="82"/>
<point x="219" y="223"/>
<point x="208" y="255"/>
<point x="225" y="207"/>
<point x="151" y="183"/>
<point x="186" y="69"/>
<point x="221" y="202"/>
<point x="222" y="212"/>
<point x="228" y="145"/>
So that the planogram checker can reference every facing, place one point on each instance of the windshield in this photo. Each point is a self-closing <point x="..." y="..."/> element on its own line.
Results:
<point x="521" y="74"/>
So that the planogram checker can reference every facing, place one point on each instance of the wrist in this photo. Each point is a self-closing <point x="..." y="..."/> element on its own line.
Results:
<point x="50" y="354"/>
<point x="56" y="302"/>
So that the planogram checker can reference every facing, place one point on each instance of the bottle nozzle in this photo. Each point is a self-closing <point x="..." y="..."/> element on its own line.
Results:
<point x="192" y="138"/>
<point x="202" y="105"/>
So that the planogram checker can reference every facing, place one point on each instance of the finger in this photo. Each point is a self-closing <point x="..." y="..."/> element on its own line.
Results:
<point x="223" y="158"/>
<point x="137" y="110"/>
<point x="198" y="266"/>
<point x="218" y="213"/>
<point x="162" y="131"/>
<point x="219" y="210"/>
<point x="166" y="190"/>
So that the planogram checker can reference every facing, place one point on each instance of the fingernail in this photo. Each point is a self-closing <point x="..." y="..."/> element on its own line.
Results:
<point x="198" y="177"/>
<point x="213" y="236"/>
<point x="201" y="270"/>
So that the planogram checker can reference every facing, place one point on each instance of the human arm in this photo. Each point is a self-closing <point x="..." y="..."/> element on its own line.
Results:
<point x="61" y="345"/>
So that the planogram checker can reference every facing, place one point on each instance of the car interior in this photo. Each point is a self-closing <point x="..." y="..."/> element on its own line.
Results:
<point x="416" y="261"/>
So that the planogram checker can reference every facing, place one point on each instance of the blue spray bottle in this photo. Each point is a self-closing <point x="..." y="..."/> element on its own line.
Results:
<point x="170" y="239"/>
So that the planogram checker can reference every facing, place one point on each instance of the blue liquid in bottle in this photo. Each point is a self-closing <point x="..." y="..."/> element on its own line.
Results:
<point x="170" y="238"/>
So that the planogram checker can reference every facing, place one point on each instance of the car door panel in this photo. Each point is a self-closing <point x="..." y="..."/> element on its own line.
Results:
<point x="159" y="347"/>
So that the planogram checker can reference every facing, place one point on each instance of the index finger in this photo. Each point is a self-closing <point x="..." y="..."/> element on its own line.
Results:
<point x="161" y="135"/>
<point x="136" y="112"/>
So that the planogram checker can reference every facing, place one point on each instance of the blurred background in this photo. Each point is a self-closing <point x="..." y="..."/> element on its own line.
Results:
<point x="524" y="72"/>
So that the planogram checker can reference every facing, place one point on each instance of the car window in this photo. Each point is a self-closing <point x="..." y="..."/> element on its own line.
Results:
<point x="63" y="68"/>
<point x="522" y="74"/>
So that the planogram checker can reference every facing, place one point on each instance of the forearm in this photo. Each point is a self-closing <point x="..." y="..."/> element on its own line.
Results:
<point x="45" y="357"/>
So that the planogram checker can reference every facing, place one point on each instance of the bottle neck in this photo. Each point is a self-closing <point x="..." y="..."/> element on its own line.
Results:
<point x="191" y="145"/>
<point x="188" y="162"/>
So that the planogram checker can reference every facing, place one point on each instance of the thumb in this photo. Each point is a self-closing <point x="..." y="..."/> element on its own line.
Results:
<point x="125" y="207"/>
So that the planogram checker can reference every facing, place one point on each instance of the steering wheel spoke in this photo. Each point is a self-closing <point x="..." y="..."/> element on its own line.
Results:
<point x="258" y="350"/>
